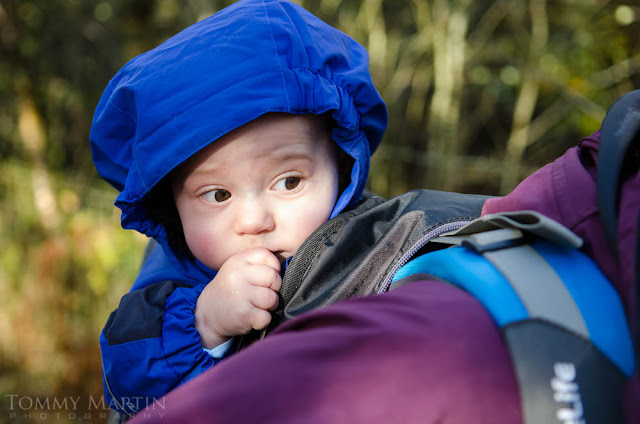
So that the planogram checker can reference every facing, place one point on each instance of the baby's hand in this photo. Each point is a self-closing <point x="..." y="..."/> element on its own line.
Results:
<point x="239" y="298"/>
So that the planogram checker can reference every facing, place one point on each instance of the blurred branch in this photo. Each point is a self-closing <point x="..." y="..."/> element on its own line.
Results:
<point x="371" y="14"/>
<point x="557" y="111"/>
<point x="32" y="133"/>
<point x="527" y="96"/>
<point x="449" y="23"/>
<point x="481" y="34"/>
<point x="616" y="73"/>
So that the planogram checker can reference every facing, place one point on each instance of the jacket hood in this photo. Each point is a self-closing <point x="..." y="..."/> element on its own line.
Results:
<point x="251" y="58"/>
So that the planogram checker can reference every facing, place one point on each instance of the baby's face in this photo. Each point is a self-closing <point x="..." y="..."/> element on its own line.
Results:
<point x="269" y="183"/>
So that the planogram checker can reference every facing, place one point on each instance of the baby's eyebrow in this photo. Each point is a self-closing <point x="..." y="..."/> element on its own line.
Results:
<point x="272" y="159"/>
<point x="208" y="170"/>
<point x="289" y="156"/>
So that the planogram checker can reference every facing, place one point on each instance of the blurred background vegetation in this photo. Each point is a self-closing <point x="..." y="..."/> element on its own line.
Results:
<point x="480" y="93"/>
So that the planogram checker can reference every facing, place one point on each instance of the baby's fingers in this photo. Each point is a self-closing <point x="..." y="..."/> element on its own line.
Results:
<point x="264" y="276"/>
<point x="260" y="319"/>
<point x="264" y="298"/>
<point x="261" y="256"/>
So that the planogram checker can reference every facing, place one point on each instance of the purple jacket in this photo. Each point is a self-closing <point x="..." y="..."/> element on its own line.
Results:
<point x="426" y="352"/>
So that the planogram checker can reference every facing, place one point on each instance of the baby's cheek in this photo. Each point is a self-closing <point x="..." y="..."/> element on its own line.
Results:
<point x="307" y="221"/>
<point x="204" y="247"/>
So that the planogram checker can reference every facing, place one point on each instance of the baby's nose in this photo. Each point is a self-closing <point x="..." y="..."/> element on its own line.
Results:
<point x="253" y="217"/>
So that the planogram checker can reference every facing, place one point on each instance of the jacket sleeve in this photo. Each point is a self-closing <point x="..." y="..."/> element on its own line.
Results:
<point x="150" y="345"/>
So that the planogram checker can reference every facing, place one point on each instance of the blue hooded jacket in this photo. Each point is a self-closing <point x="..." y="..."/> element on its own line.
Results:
<point x="251" y="58"/>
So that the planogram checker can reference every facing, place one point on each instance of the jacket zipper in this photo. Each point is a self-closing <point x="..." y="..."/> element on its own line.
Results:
<point x="115" y="399"/>
<point x="430" y="235"/>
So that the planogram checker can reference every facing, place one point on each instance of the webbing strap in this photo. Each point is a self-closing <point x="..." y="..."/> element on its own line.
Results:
<point x="562" y="378"/>
<point x="585" y="288"/>
<point x="563" y="322"/>
<point x="529" y="222"/>
<point x="539" y="287"/>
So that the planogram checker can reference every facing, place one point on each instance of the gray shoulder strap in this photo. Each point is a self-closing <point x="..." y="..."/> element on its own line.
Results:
<point x="563" y="378"/>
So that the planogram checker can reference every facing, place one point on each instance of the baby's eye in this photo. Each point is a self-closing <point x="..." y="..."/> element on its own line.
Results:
<point x="288" y="183"/>
<point x="217" y="196"/>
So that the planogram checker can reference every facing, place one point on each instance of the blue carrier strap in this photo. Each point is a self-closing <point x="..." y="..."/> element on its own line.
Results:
<point x="562" y="320"/>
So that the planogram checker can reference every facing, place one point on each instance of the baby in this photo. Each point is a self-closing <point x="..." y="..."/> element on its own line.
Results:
<point x="230" y="144"/>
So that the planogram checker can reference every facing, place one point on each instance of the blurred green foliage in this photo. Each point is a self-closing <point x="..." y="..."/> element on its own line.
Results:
<point x="480" y="93"/>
